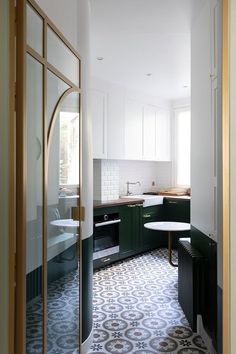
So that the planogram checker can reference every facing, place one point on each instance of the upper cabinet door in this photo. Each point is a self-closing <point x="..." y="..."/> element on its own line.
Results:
<point x="149" y="133"/>
<point x="99" y="117"/>
<point x="133" y="130"/>
<point x="116" y="124"/>
<point x="163" y="135"/>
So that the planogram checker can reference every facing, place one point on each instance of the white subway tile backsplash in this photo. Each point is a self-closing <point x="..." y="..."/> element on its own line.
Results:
<point x="110" y="177"/>
<point x="107" y="186"/>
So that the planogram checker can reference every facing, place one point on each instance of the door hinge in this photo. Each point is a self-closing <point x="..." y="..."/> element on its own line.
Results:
<point x="78" y="213"/>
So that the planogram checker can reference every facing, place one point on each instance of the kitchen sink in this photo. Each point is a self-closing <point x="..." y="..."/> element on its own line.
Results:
<point x="149" y="200"/>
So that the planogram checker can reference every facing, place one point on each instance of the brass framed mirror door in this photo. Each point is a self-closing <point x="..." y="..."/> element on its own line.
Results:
<point x="49" y="184"/>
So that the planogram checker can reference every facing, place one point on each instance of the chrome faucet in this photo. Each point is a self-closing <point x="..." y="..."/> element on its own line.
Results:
<point x="128" y="183"/>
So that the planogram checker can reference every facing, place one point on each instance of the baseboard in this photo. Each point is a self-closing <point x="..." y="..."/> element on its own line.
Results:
<point x="86" y="345"/>
<point x="206" y="338"/>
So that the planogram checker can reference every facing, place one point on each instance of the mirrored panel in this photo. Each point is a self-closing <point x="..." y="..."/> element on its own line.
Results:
<point x="34" y="25"/>
<point x="34" y="202"/>
<point x="55" y="88"/>
<point x="61" y="57"/>
<point x="63" y="230"/>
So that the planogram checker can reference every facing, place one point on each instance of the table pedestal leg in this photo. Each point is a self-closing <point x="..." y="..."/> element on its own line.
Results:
<point x="170" y="249"/>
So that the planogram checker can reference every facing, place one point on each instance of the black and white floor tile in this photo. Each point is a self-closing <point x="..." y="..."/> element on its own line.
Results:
<point x="136" y="309"/>
<point x="63" y="318"/>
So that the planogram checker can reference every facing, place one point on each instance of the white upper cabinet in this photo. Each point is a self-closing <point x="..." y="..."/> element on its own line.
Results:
<point x="163" y="135"/>
<point x="128" y="129"/>
<point x="99" y="119"/>
<point x="116" y="124"/>
<point x="149" y="133"/>
<point x="133" y="130"/>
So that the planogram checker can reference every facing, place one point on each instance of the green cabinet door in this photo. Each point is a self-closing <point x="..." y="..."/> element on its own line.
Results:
<point x="129" y="230"/>
<point x="152" y="239"/>
<point x="177" y="210"/>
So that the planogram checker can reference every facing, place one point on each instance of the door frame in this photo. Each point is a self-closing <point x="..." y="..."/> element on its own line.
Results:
<point x="17" y="165"/>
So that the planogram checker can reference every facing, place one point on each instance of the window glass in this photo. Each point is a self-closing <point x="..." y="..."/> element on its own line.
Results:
<point x="69" y="156"/>
<point x="183" y="148"/>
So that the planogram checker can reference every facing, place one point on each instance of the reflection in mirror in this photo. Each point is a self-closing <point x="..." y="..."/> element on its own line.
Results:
<point x="62" y="230"/>
<point x="34" y="202"/>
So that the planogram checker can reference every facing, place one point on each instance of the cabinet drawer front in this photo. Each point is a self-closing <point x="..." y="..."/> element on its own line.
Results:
<point x="152" y="212"/>
<point x="102" y="262"/>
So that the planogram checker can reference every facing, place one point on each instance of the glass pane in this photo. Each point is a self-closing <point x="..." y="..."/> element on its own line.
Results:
<point x="34" y="30"/>
<point x="183" y="145"/>
<point x="34" y="114"/>
<point x="60" y="56"/>
<point x="63" y="237"/>
<point x="55" y="88"/>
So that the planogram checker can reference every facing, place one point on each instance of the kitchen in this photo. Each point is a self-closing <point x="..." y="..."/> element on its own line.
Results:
<point x="140" y="108"/>
<point x="141" y="140"/>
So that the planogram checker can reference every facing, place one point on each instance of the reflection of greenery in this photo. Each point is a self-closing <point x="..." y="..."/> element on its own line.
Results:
<point x="69" y="148"/>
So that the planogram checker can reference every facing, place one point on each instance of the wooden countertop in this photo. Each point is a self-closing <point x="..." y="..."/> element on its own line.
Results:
<point x="126" y="201"/>
<point x="120" y="201"/>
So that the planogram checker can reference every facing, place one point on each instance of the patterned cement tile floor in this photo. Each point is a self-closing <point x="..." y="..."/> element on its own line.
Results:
<point x="63" y="318"/>
<point x="136" y="309"/>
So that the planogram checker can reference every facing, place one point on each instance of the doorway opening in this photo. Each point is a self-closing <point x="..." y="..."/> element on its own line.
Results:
<point x="156" y="77"/>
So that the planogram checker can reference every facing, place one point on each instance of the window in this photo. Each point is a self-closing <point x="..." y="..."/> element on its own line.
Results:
<point x="182" y="147"/>
<point x="69" y="148"/>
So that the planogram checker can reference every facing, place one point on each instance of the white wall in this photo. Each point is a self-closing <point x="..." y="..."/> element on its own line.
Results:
<point x="145" y="172"/>
<point x="232" y="75"/>
<point x="72" y="19"/>
<point x="4" y="172"/>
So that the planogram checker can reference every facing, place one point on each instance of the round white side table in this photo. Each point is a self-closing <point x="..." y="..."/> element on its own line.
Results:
<point x="169" y="227"/>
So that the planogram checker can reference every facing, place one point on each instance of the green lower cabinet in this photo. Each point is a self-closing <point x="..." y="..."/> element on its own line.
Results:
<point x="152" y="239"/>
<point x="177" y="210"/>
<point x="130" y="230"/>
<point x="134" y="238"/>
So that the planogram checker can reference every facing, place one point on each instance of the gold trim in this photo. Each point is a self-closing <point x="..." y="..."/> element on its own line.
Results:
<point x="62" y="77"/>
<point x="225" y="169"/>
<point x="55" y="113"/>
<point x="54" y="28"/>
<point x="35" y="54"/>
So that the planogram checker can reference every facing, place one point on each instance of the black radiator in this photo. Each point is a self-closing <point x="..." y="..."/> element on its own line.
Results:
<point x="190" y="282"/>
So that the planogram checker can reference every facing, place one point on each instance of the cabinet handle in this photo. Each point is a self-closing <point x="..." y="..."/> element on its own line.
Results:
<point x="132" y="206"/>
<point x="147" y="215"/>
<point x="105" y="260"/>
<point x="104" y="223"/>
<point x="171" y="202"/>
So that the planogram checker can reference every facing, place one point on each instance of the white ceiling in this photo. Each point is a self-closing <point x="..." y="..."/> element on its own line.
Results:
<point x="137" y="37"/>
